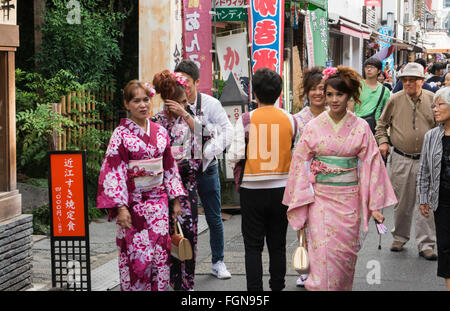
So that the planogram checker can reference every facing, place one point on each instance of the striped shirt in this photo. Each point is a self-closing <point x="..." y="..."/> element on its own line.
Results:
<point x="428" y="177"/>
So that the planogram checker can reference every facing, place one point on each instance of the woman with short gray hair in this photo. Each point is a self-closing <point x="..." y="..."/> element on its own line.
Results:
<point x="433" y="179"/>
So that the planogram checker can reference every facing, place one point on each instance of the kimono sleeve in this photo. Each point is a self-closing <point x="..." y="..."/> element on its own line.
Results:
<point x="299" y="191"/>
<point x="375" y="187"/>
<point x="112" y="184"/>
<point x="172" y="180"/>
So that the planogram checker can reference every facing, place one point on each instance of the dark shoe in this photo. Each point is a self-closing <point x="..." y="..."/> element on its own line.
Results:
<point x="397" y="246"/>
<point x="428" y="254"/>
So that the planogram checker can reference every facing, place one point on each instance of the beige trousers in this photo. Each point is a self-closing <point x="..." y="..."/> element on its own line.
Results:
<point x="403" y="175"/>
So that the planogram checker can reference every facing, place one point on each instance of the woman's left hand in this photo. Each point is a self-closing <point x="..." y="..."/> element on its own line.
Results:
<point x="175" y="108"/>
<point x="378" y="216"/>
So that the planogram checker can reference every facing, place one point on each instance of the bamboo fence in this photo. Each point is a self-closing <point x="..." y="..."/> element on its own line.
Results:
<point x="80" y="107"/>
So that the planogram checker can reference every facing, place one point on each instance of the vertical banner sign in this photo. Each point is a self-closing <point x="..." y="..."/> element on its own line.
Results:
<point x="232" y="54"/>
<point x="387" y="63"/>
<point x="316" y="27"/>
<point x="69" y="220"/>
<point x="177" y="33"/>
<point x="198" y="39"/>
<point x="266" y="33"/>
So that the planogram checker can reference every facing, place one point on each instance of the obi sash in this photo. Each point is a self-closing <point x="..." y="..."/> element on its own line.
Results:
<point x="335" y="171"/>
<point x="146" y="174"/>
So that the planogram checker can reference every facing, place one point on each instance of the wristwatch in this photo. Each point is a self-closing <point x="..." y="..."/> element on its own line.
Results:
<point x="186" y="116"/>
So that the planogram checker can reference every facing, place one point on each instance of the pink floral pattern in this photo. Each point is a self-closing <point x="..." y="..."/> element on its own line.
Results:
<point x="145" y="248"/>
<point x="333" y="214"/>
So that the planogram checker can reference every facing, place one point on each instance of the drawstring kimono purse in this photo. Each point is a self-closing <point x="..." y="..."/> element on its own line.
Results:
<point x="300" y="260"/>
<point x="181" y="247"/>
<point x="146" y="174"/>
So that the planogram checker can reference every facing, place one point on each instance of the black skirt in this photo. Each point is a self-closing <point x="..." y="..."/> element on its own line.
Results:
<point x="442" y="221"/>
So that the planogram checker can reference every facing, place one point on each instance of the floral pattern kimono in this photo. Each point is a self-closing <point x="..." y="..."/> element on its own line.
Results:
<point x="337" y="177"/>
<point x="182" y="272"/>
<point x="145" y="248"/>
<point x="303" y="117"/>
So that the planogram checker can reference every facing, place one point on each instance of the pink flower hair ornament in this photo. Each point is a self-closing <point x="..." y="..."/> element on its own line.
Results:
<point x="329" y="71"/>
<point x="152" y="90"/>
<point x="181" y="80"/>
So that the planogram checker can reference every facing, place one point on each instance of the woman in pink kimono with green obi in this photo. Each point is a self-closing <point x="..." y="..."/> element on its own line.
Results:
<point x="138" y="177"/>
<point x="336" y="181"/>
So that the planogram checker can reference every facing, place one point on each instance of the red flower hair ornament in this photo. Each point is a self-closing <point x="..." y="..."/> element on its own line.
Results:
<point x="149" y="87"/>
<point x="329" y="71"/>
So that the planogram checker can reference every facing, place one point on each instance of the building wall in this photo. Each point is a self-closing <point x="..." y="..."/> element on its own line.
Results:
<point x="350" y="9"/>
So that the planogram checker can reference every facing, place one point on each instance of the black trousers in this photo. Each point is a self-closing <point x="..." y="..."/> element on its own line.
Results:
<point x="264" y="217"/>
<point x="442" y="221"/>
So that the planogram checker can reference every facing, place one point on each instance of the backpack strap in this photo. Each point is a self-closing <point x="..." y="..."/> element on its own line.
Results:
<point x="380" y="99"/>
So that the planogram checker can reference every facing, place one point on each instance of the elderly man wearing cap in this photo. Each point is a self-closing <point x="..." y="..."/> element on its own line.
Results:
<point x="408" y="116"/>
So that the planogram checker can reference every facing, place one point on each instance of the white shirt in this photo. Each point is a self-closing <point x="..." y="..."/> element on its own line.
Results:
<point x="216" y="121"/>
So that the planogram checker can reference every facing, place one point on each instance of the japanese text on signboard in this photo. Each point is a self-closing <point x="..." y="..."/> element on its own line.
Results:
<point x="198" y="39"/>
<point x="266" y="34"/>
<point x="67" y="195"/>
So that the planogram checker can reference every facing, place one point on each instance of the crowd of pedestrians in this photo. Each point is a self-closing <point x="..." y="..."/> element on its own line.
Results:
<point x="354" y="149"/>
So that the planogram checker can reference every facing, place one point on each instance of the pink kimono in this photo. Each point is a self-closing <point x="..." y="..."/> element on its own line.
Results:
<point x="145" y="248"/>
<point x="303" y="117"/>
<point x="336" y="173"/>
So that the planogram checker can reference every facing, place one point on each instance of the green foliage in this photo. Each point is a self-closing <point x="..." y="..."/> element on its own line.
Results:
<point x="88" y="49"/>
<point x="34" y="129"/>
<point x="33" y="88"/>
<point x="220" y="85"/>
<point x="41" y="220"/>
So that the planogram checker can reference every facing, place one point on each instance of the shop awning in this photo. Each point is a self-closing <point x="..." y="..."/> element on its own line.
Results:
<point x="357" y="30"/>
<point x="398" y="43"/>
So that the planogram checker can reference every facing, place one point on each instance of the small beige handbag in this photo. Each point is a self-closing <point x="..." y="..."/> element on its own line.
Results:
<point x="181" y="247"/>
<point x="300" y="260"/>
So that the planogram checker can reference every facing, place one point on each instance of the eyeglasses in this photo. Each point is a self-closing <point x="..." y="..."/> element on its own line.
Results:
<point x="438" y="105"/>
<point x="371" y="67"/>
<point x="406" y="80"/>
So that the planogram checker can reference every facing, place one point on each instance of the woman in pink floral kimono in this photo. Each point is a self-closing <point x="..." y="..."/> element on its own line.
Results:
<point x="313" y="88"/>
<point x="336" y="181"/>
<point x="138" y="178"/>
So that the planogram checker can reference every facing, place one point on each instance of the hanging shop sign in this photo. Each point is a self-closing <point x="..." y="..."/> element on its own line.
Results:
<point x="266" y="33"/>
<point x="177" y="34"/>
<point x="372" y="3"/>
<point x="8" y="12"/>
<point x="69" y="220"/>
<point x="232" y="54"/>
<point x="198" y="39"/>
<point x="231" y="10"/>
<point x="317" y="36"/>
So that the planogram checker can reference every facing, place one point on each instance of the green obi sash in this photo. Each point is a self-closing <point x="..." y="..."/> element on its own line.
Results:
<point x="337" y="171"/>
